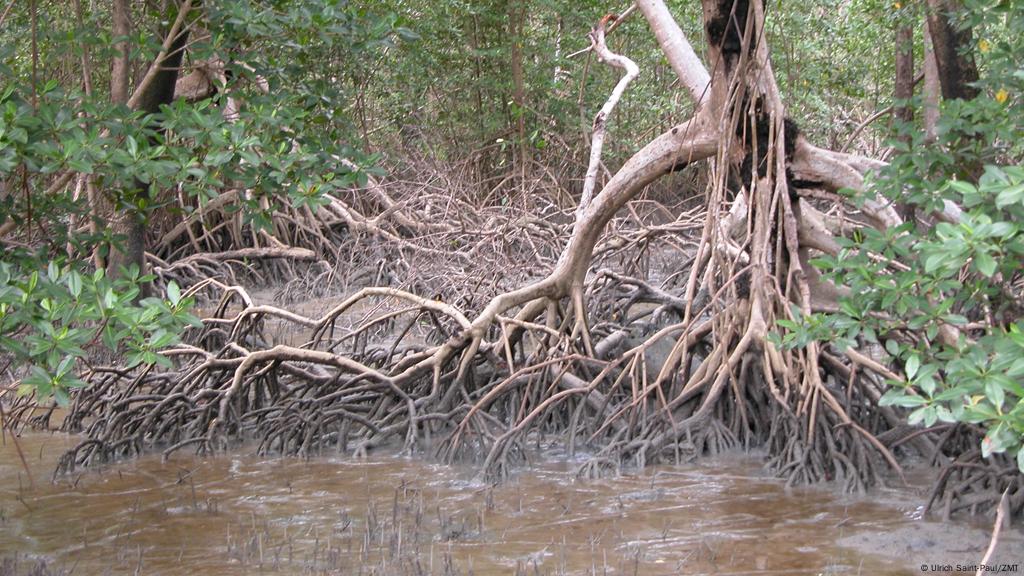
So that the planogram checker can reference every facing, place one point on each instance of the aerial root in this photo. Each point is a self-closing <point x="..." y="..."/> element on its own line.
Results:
<point x="617" y="369"/>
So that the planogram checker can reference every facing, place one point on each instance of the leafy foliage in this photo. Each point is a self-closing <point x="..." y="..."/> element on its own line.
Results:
<point x="952" y="313"/>
<point x="49" y="320"/>
<point x="286" y="142"/>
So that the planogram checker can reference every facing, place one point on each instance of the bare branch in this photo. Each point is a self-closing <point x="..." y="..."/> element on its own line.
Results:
<point x="597" y="41"/>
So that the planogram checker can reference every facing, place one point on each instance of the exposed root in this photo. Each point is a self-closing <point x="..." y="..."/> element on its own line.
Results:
<point x="473" y="352"/>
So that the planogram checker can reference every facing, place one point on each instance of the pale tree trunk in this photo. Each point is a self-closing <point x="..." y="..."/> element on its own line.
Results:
<point x="480" y="163"/>
<point x="85" y="183"/>
<point x="474" y="44"/>
<point x="762" y="165"/>
<point x="556" y="76"/>
<point x="931" y="90"/>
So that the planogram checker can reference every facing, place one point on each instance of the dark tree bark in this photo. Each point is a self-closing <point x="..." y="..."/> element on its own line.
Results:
<point x="957" y="70"/>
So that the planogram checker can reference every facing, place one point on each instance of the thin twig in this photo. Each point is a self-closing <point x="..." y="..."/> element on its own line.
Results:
<point x="3" y="17"/>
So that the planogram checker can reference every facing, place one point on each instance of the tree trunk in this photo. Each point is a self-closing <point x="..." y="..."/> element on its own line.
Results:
<point x="903" y="91"/>
<point x="952" y="48"/>
<point x="105" y="209"/>
<point x="516" y="18"/>
<point x="904" y="86"/>
<point x="761" y="168"/>
<point x="931" y="90"/>
<point x="155" y="90"/>
<point x="120" y="64"/>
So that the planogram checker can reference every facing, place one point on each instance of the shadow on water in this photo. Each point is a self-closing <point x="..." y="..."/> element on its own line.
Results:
<point x="235" y="514"/>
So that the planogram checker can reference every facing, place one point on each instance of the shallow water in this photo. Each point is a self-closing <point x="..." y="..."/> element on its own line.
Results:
<point x="236" y="514"/>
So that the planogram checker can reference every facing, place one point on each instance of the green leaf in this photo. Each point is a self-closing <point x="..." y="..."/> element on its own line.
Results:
<point x="955" y="319"/>
<point x="109" y="299"/>
<point x="173" y="293"/>
<point x="75" y="284"/>
<point x="892" y="347"/>
<point x="944" y="414"/>
<point x="917" y="416"/>
<point x="913" y="363"/>
<point x="61" y="396"/>
<point x="995" y="393"/>
<point x="162" y="338"/>
<point x="1016" y="369"/>
<point x="1010" y="195"/>
<point x="134" y="359"/>
<point x="933" y="262"/>
<point x="37" y="378"/>
<point x="927" y="385"/>
<point x="962" y="187"/>
<point x="1003" y="230"/>
<point x="898" y="397"/>
<point x="930" y="416"/>
<point x="66" y="365"/>
<point x="985" y="263"/>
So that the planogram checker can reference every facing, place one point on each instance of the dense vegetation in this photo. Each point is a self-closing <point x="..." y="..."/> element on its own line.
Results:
<point x="435" y="158"/>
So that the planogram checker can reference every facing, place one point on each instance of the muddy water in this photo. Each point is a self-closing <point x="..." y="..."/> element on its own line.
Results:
<point x="236" y="514"/>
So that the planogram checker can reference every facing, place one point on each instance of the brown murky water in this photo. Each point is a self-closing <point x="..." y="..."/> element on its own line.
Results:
<point x="236" y="514"/>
